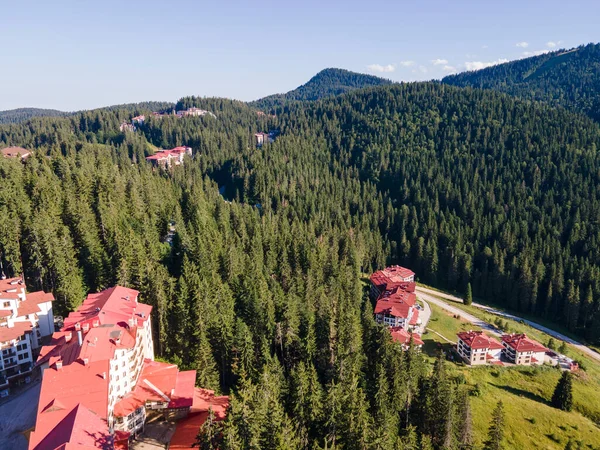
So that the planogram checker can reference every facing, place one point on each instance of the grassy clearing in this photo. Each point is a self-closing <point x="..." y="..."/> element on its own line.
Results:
<point x="530" y="421"/>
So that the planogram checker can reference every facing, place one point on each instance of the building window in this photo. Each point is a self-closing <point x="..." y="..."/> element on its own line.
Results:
<point x="7" y="304"/>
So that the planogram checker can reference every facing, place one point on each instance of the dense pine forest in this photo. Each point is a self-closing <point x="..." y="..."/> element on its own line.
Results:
<point x="260" y="289"/>
<point x="567" y="78"/>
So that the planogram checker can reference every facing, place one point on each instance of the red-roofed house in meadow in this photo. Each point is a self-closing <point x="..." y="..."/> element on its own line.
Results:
<point x="26" y="319"/>
<point x="99" y="375"/>
<point x="476" y="348"/>
<point x="168" y="158"/>
<point x="392" y="277"/>
<point x="521" y="350"/>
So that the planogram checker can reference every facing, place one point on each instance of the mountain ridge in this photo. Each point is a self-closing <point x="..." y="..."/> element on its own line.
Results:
<point x="567" y="78"/>
<point x="328" y="82"/>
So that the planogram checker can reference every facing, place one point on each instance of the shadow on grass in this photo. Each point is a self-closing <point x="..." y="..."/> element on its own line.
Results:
<point x="522" y="393"/>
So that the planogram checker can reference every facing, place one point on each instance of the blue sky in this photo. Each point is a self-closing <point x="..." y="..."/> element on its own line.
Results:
<point x="83" y="54"/>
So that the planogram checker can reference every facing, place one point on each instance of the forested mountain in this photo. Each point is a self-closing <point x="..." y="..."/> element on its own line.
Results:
<point x="327" y="83"/>
<point x="568" y="78"/>
<point x="23" y="114"/>
<point x="260" y="291"/>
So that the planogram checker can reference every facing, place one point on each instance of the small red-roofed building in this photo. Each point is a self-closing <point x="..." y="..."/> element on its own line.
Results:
<point x="521" y="350"/>
<point x="138" y="119"/>
<point x="169" y="158"/>
<point x="391" y="278"/>
<point x="126" y="127"/>
<point x="262" y="138"/>
<point x="403" y="337"/>
<point x="476" y="348"/>
<point x="26" y="320"/>
<point x="15" y="152"/>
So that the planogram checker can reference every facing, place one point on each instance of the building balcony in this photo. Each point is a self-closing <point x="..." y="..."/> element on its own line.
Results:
<point x="9" y="364"/>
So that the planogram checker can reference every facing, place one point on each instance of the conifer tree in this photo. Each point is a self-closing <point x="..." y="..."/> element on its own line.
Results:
<point x="469" y="295"/>
<point x="563" y="393"/>
<point x="495" y="436"/>
<point x="210" y="435"/>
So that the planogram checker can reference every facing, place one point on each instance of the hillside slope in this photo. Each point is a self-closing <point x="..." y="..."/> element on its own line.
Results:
<point x="563" y="78"/>
<point x="327" y="83"/>
<point x="22" y="114"/>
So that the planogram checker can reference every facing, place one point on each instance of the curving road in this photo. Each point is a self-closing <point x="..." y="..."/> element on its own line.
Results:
<point x="435" y="297"/>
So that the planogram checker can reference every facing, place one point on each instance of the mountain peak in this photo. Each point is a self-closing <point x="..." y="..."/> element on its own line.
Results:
<point x="328" y="82"/>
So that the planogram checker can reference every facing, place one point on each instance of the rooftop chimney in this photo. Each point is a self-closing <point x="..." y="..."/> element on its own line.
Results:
<point x="104" y="375"/>
<point x="79" y="338"/>
<point x="58" y="365"/>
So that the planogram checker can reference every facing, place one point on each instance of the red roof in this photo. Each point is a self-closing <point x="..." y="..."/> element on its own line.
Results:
<point x="13" y="152"/>
<point x="393" y="277"/>
<point x="158" y="382"/>
<point x="415" y="317"/>
<point x="397" y="293"/>
<point x="187" y="429"/>
<point x="5" y="313"/>
<point x="59" y="396"/>
<point x="395" y="309"/>
<point x="478" y="340"/>
<point x="14" y="332"/>
<point x="111" y="306"/>
<point x="399" y="334"/>
<point x="521" y="343"/>
<point x="78" y="428"/>
<point x="164" y="154"/>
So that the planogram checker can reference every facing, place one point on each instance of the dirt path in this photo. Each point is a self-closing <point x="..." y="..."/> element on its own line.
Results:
<point x="435" y="297"/>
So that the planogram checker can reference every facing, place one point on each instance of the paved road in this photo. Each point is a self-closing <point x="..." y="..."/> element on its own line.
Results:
<point x="424" y="315"/>
<point x="424" y="294"/>
<point x="16" y="416"/>
<point x="434" y="297"/>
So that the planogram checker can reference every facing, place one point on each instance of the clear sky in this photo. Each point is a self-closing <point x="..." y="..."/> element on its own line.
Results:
<point x="83" y="54"/>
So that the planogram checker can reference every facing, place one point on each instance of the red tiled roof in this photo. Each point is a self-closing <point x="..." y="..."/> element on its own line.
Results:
<point x="11" y="283"/>
<point x="187" y="429"/>
<point x="478" y="340"/>
<point x="183" y="395"/>
<point x="31" y="303"/>
<point x="59" y="395"/>
<point x="395" y="309"/>
<point x="111" y="306"/>
<point x="79" y="428"/>
<point x="164" y="154"/>
<point x="5" y="313"/>
<point x="399" y="334"/>
<point x="17" y="330"/>
<point x="415" y="317"/>
<point x="13" y="152"/>
<point x="521" y="343"/>
<point x="157" y="382"/>
<point x="393" y="277"/>
<point x="397" y="293"/>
